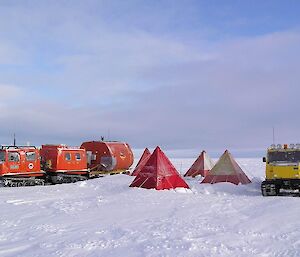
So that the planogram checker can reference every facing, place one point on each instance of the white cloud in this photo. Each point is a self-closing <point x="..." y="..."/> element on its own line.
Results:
<point x="9" y="92"/>
<point x="84" y="77"/>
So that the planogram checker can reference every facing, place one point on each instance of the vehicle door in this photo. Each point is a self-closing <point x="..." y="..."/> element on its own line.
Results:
<point x="14" y="162"/>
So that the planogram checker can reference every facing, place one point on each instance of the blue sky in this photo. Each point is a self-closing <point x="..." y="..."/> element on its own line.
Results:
<point x="185" y="75"/>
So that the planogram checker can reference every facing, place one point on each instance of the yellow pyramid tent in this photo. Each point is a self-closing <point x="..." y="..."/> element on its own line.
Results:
<point x="226" y="170"/>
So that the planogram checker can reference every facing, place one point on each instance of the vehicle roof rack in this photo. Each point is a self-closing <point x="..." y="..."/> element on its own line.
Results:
<point x="17" y="147"/>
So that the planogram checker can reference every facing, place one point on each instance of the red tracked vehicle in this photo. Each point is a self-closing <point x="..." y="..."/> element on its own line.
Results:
<point x="20" y="166"/>
<point x="56" y="164"/>
<point x="64" y="164"/>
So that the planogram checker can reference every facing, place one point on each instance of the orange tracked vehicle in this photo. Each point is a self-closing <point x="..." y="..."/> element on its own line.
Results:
<point x="20" y="166"/>
<point x="64" y="164"/>
<point x="56" y="164"/>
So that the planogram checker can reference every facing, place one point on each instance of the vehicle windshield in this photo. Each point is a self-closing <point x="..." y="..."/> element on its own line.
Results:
<point x="30" y="156"/>
<point x="2" y="156"/>
<point x="288" y="156"/>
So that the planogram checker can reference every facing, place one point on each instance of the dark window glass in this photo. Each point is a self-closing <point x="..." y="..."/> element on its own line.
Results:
<point x="2" y="156"/>
<point x="68" y="157"/>
<point x="77" y="156"/>
<point x="13" y="157"/>
<point x="290" y="156"/>
<point x="30" y="156"/>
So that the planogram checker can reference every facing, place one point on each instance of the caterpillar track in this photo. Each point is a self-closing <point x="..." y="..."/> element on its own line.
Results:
<point x="269" y="189"/>
<point x="66" y="178"/>
<point x="20" y="182"/>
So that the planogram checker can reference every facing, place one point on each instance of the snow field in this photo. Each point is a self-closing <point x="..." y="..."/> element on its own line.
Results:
<point x="104" y="217"/>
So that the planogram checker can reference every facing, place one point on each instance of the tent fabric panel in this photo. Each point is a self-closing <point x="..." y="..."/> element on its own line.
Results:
<point x="196" y="166"/>
<point x="145" y="154"/>
<point x="244" y="179"/>
<point x="142" y="161"/>
<point x="224" y="166"/>
<point x="208" y="162"/>
<point x="235" y="165"/>
<point x="179" y="182"/>
<point x="234" y="179"/>
<point x="193" y="173"/>
<point x="171" y="182"/>
<point x="200" y="167"/>
<point x="211" y="179"/>
<point x="140" y="166"/>
<point x="144" y="182"/>
<point x="164" y="166"/>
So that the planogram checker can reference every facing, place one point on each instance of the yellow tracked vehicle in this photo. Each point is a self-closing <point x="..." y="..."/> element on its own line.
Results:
<point x="282" y="170"/>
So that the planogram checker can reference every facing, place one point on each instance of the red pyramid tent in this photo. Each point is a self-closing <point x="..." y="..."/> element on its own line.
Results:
<point x="226" y="170"/>
<point x="158" y="173"/>
<point x="201" y="166"/>
<point x="145" y="157"/>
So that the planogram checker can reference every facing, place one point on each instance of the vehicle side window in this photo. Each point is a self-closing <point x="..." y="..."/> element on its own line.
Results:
<point x="2" y="156"/>
<point x="30" y="156"/>
<point x="77" y="156"/>
<point x="13" y="157"/>
<point x="68" y="156"/>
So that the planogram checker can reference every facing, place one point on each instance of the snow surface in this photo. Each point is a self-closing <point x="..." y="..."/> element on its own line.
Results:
<point x="104" y="217"/>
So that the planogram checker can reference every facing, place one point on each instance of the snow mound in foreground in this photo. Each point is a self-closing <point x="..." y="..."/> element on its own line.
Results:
<point x="104" y="217"/>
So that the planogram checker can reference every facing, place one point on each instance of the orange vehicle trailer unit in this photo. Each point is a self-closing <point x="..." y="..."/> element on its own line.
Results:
<point x="107" y="157"/>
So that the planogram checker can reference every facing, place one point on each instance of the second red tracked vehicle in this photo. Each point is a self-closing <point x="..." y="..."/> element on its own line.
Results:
<point x="64" y="164"/>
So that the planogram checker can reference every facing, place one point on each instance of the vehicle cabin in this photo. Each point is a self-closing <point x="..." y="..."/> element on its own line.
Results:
<point x="20" y="160"/>
<point x="283" y="161"/>
<point x="61" y="158"/>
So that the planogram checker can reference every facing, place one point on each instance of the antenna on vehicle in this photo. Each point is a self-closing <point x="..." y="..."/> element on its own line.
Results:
<point x="14" y="139"/>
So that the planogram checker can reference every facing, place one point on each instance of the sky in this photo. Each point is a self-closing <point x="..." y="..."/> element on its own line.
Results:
<point x="185" y="75"/>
